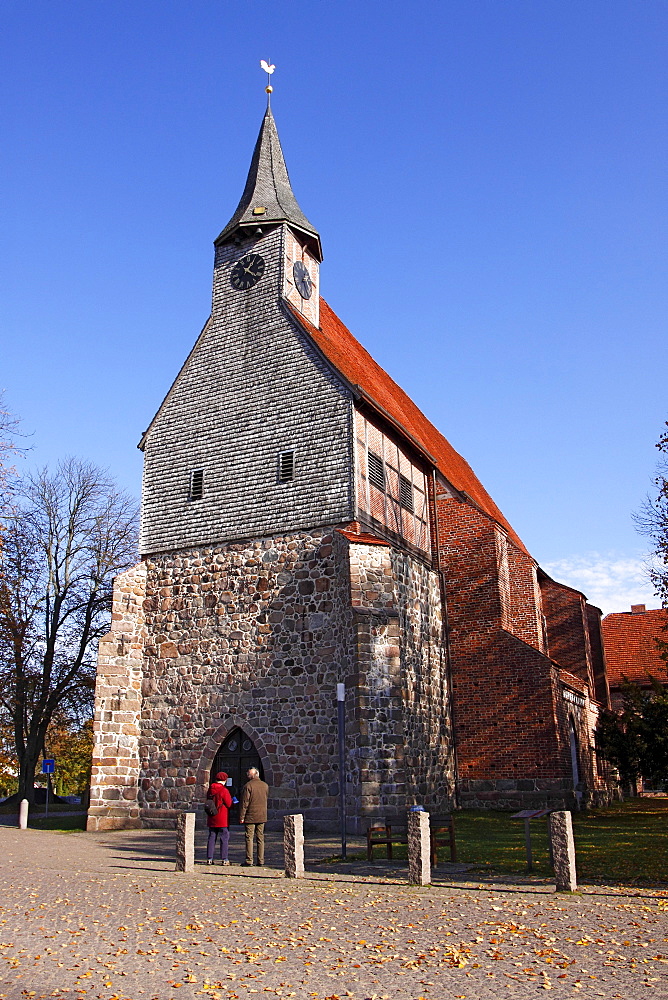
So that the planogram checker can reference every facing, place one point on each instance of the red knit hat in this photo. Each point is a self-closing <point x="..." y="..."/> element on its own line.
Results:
<point x="221" y="776"/>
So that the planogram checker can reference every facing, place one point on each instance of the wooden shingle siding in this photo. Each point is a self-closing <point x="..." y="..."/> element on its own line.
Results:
<point x="252" y="387"/>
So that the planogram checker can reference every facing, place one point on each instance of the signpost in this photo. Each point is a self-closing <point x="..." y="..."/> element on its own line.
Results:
<point x="527" y="815"/>
<point x="48" y="768"/>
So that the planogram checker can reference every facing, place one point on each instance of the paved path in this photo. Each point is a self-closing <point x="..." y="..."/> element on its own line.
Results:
<point x="105" y="916"/>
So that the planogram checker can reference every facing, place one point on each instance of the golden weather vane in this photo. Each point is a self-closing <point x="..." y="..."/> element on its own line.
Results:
<point x="269" y="69"/>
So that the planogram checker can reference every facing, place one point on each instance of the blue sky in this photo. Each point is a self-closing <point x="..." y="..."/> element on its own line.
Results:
<point x="488" y="178"/>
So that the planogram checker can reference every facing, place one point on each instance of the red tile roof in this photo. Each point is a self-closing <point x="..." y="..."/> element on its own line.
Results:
<point x="630" y="647"/>
<point x="348" y="356"/>
<point x="363" y="537"/>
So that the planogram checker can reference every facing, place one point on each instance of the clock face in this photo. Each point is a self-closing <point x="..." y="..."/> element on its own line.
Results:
<point x="247" y="272"/>
<point x="302" y="279"/>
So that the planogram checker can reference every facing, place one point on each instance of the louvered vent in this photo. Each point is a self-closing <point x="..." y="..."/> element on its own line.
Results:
<point x="196" y="491"/>
<point x="405" y="493"/>
<point x="286" y="466"/>
<point x="376" y="471"/>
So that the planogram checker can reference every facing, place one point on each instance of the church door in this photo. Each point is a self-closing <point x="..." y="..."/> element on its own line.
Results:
<point x="235" y="756"/>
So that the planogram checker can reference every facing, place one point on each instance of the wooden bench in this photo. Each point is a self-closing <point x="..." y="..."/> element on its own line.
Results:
<point x="442" y="835"/>
<point x="377" y="836"/>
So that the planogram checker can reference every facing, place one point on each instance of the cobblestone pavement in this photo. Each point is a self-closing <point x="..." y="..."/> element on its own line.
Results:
<point x="105" y="916"/>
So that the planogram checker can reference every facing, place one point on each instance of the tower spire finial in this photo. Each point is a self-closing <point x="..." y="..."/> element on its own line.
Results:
<point x="268" y="197"/>
<point x="269" y="69"/>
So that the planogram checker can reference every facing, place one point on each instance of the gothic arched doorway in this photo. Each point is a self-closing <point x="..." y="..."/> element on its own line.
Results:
<point x="236" y="754"/>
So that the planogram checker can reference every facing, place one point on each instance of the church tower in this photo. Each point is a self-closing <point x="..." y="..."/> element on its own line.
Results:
<point x="258" y="591"/>
<point x="301" y="524"/>
<point x="253" y="436"/>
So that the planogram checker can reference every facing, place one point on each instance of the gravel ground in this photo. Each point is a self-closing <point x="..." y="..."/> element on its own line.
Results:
<point x="105" y="916"/>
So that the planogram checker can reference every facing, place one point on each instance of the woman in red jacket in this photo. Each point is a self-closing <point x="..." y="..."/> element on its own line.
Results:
<point x="219" y="824"/>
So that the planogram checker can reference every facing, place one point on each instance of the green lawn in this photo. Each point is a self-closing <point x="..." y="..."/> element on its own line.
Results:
<point x="627" y="842"/>
<point x="58" y="822"/>
<point x="64" y="824"/>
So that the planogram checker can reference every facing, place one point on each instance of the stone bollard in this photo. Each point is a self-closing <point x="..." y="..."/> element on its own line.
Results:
<point x="293" y="845"/>
<point x="185" y="842"/>
<point x="419" y="849"/>
<point x="563" y="851"/>
<point x="23" y="814"/>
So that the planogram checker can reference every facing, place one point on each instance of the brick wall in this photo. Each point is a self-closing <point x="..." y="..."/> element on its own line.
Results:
<point x="594" y="628"/>
<point x="510" y="722"/>
<point x="567" y="629"/>
<point x="294" y="250"/>
<point x="524" y="615"/>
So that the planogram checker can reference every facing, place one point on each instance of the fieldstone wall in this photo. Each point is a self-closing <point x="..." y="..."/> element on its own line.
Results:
<point x="116" y="726"/>
<point x="247" y="634"/>
<point x="401" y="748"/>
<point x="257" y="634"/>
<point x="428" y="737"/>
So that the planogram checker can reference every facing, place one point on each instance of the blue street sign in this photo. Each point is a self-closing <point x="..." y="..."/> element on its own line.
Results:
<point x="48" y="766"/>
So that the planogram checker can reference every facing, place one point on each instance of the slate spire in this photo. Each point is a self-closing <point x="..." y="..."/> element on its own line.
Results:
<point x="268" y="188"/>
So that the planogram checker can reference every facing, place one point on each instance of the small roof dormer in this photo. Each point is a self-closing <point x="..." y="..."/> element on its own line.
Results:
<point x="268" y="197"/>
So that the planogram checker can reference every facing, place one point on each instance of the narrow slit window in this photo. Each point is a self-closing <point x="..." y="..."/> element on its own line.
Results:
<point x="286" y="466"/>
<point x="196" y="489"/>
<point x="406" y="493"/>
<point x="376" y="471"/>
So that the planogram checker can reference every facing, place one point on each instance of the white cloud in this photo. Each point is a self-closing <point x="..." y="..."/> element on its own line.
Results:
<point x="610" y="580"/>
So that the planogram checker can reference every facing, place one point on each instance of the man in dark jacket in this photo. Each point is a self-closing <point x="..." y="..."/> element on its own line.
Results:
<point x="253" y="814"/>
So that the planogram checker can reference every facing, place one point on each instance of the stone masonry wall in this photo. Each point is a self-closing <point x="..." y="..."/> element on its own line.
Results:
<point x="403" y="747"/>
<point x="249" y="634"/>
<point x="257" y="634"/>
<point x="376" y="737"/>
<point x="429" y="741"/>
<point x="116" y="726"/>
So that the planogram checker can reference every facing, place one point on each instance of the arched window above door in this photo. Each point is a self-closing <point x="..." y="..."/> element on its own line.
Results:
<point x="236" y="754"/>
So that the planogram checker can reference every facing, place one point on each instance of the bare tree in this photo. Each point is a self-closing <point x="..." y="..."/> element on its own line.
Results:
<point x="652" y="520"/>
<point x="9" y="431"/>
<point x="67" y="535"/>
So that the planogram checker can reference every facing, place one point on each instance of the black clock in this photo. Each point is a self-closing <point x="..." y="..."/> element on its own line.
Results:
<point x="302" y="279"/>
<point x="247" y="272"/>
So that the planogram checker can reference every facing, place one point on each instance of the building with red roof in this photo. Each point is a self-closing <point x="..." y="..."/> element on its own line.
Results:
<point x="307" y="534"/>
<point x="631" y="646"/>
